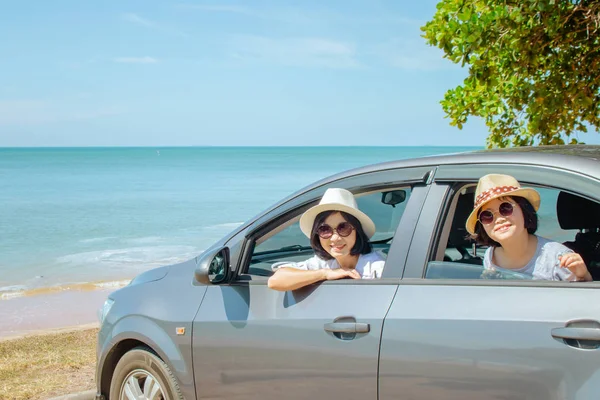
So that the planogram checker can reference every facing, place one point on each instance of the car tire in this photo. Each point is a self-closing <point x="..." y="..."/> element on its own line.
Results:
<point x="141" y="374"/>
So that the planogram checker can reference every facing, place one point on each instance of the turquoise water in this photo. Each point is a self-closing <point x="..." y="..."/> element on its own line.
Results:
<point x="100" y="214"/>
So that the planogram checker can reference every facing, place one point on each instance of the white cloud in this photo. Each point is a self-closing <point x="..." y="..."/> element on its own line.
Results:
<point x="136" y="60"/>
<point x="300" y="52"/>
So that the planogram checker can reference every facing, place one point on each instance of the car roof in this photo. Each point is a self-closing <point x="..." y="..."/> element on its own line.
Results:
<point x="574" y="157"/>
<point x="582" y="158"/>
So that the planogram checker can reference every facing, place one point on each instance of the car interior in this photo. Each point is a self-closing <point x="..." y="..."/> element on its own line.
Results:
<point x="458" y="238"/>
<point x="462" y="258"/>
<point x="574" y="213"/>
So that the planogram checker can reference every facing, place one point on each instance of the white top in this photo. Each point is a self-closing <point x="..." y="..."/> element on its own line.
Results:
<point x="369" y="266"/>
<point x="545" y="264"/>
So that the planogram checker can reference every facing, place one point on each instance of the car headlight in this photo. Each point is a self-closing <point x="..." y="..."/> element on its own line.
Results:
<point x="103" y="311"/>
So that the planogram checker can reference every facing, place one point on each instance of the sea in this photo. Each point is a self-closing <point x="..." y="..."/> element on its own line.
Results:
<point x="99" y="216"/>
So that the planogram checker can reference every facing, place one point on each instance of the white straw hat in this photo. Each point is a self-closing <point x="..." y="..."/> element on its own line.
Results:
<point x="493" y="186"/>
<point x="338" y="200"/>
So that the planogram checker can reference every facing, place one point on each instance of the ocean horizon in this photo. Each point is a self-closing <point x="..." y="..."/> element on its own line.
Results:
<point x="97" y="216"/>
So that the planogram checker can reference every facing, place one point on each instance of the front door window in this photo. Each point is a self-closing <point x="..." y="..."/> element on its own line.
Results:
<point x="286" y="243"/>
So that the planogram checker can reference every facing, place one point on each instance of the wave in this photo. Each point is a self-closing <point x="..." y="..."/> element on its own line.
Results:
<point x="12" y="288"/>
<point x="141" y="240"/>
<point x="97" y="239"/>
<point x="11" y="292"/>
<point x="228" y="225"/>
<point x="130" y="256"/>
<point x="106" y="268"/>
<point x="220" y="228"/>
<point x="145" y="240"/>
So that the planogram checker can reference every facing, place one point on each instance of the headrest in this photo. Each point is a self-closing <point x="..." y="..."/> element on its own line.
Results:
<point x="458" y="232"/>
<point x="575" y="212"/>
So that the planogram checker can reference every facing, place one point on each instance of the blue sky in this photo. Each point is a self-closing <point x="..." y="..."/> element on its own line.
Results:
<point x="157" y="73"/>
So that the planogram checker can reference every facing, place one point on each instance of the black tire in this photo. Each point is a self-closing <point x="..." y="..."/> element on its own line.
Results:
<point x="133" y="371"/>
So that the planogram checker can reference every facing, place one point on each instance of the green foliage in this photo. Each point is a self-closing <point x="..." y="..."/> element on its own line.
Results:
<point x="534" y="67"/>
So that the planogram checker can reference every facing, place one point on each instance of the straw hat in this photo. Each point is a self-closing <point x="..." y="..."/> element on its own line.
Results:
<point x="338" y="200"/>
<point x="493" y="186"/>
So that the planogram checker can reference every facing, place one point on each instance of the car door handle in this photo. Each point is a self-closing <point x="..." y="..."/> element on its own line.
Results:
<point x="347" y="327"/>
<point x="576" y="333"/>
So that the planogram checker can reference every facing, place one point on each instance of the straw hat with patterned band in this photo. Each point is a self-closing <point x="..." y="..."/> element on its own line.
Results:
<point x="493" y="186"/>
<point x="338" y="200"/>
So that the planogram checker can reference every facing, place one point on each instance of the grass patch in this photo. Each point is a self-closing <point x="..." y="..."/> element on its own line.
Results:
<point x="42" y="366"/>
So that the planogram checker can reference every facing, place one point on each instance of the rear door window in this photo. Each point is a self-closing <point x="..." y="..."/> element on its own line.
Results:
<point x="459" y="257"/>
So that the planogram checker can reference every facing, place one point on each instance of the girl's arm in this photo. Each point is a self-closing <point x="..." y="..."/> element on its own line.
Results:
<point x="285" y="279"/>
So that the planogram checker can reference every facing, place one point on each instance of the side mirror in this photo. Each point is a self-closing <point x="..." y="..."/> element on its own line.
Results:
<point x="213" y="266"/>
<point x="393" y="197"/>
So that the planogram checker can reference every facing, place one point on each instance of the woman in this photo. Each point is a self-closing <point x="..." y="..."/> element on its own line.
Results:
<point x="505" y="218"/>
<point x="339" y="233"/>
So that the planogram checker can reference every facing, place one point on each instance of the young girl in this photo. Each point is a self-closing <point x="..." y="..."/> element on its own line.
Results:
<point x="339" y="234"/>
<point x="505" y="218"/>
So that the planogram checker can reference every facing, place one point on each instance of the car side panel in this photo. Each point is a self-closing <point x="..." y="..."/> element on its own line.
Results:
<point x="486" y="339"/>
<point x="253" y="342"/>
<point x="487" y="342"/>
<point x="170" y="349"/>
<point x="150" y="313"/>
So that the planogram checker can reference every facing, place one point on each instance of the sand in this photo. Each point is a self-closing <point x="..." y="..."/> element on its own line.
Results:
<point x="52" y="312"/>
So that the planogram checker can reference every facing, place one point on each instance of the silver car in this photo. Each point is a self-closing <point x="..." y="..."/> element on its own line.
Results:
<point x="433" y="327"/>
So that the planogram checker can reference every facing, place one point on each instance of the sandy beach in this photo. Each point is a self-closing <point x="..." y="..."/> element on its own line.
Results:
<point x="50" y="312"/>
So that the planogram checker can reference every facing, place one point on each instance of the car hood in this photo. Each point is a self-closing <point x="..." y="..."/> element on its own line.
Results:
<point x="156" y="274"/>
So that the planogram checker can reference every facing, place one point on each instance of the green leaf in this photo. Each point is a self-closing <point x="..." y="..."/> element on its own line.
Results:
<point x="533" y="67"/>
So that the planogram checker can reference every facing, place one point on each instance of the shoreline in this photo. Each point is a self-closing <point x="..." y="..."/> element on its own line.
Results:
<point x="52" y="311"/>
<point x="73" y="286"/>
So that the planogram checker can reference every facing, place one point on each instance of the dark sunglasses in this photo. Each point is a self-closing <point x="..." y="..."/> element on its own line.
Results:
<point x="344" y="229"/>
<point x="487" y="217"/>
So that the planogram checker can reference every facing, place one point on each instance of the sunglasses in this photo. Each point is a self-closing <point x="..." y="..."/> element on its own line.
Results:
<point x="487" y="217"/>
<point x="344" y="229"/>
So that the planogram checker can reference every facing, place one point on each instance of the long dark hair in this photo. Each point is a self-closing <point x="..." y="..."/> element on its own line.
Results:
<point x="361" y="246"/>
<point x="529" y="215"/>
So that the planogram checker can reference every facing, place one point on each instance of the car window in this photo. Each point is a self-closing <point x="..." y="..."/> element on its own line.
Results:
<point x="286" y="242"/>
<point x="548" y="225"/>
<point x="458" y="257"/>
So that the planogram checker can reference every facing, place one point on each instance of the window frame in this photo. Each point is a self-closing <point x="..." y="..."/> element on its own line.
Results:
<point x="448" y="182"/>
<point x="415" y="177"/>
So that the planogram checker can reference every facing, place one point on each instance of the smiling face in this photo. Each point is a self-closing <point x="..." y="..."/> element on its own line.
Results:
<point x="338" y="246"/>
<point x="504" y="227"/>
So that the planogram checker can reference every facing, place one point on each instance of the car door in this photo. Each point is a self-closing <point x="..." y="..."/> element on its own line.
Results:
<point x="318" y="342"/>
<point x="451" y="335"/>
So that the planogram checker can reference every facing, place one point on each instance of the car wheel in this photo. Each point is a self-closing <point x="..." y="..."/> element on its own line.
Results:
<point x="141" y="374"/>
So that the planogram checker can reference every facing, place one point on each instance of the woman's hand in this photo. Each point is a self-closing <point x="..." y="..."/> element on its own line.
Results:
<point x="339" y="273"/>
<point x="291" y="278"/>
<point x="574" y="263"/>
